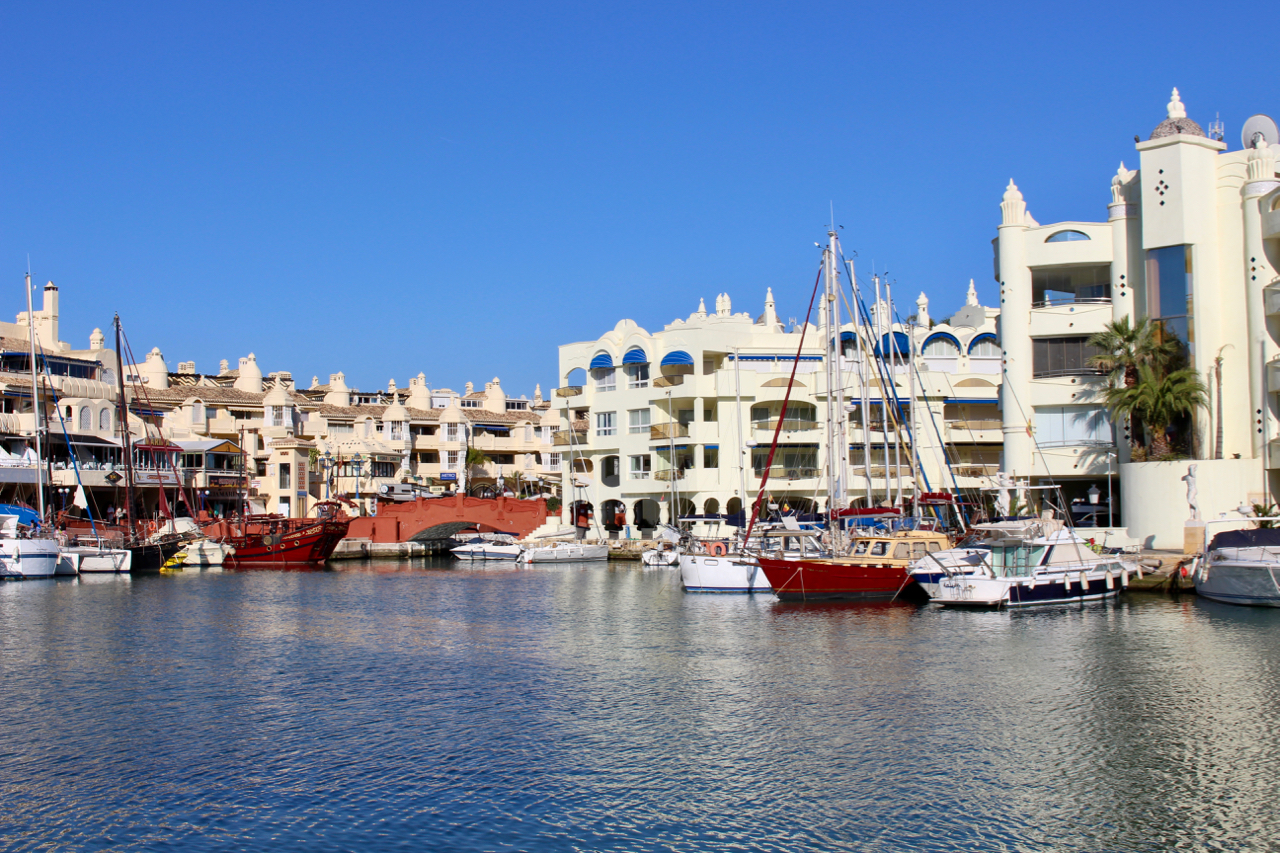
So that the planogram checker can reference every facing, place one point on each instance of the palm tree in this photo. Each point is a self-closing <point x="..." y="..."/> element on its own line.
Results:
<point x="1125" y="348"/>
<point x="1158" y="399"/>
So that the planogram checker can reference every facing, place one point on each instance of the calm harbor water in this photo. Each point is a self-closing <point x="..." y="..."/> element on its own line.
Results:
<point x="429" y="707"/>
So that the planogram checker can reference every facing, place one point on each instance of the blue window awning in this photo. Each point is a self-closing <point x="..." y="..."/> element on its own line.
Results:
<point x="983" y="338"/>
<point x="602" y="359"/>
<point x="711" y="446"/>
<point x="635" y="355"/>
<point x="676" y="357"/>
<point x="778" y="357"/>
<point x="896" y="342"/>
<point x="979" y="401"/>
<point x="942" y="336"/>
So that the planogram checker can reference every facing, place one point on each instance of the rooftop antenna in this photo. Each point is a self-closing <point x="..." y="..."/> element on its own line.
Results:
<point x="1216" y="129"/>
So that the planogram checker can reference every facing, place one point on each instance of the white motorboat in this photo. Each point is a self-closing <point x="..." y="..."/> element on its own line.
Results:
<point x="207" y="552"/>
<point x="22" y="557"/>
<point x="1241" y="567"/>
<point x="479" y="548"/>
<point x="970" y="556"/>
<point x="1053" y="569"/>
<point x="94" y="559"/>
<point x="565" y="552"/>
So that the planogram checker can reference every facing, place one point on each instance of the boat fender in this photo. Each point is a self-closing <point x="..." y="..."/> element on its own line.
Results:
<point x="1084" y="583"/>
<point x="1066" y="584"/>
<point x="1111" y="581"/>
<point x="1124" y="578"/>
<point x="717" y="549"/>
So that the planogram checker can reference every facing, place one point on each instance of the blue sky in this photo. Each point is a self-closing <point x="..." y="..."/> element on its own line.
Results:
<point x="457" y="189"/>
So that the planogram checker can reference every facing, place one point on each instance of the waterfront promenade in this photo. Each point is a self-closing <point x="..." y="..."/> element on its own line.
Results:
<point x="429" y="706"/>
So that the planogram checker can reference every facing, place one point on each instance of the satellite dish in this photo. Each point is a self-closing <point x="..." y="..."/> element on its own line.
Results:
<point x="1259" y="124"/>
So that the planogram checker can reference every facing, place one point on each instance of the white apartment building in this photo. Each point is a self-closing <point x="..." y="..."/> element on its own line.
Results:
<point x="695" y="405"/>
<point x="1192" y="237"/>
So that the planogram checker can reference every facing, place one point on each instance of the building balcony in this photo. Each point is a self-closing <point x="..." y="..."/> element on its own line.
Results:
<point x="1273" y="376"/>
<point x="668" y="475"/>
<point x="1271" y="298"/>
<point x="975" y="430"/>
<point x="568" y="437"/>
<point x="668" y="430"/>
<point x="970" y="469"/>
<point x="792" y="431"/>
<point x="780" y="473"/>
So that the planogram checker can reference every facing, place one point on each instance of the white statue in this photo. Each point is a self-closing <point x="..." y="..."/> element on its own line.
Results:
<point x="1193" y="499"/>
<point x="1002" y="495"/>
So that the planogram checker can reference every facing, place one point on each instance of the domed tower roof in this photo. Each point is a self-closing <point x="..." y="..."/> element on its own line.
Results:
<point x="1177" y="122"/>
<point x="277" y="396"/>
<point x="395" y="412"/>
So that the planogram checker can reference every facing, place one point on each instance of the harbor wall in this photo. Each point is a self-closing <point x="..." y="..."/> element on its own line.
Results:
<point x="1150" y="491"/>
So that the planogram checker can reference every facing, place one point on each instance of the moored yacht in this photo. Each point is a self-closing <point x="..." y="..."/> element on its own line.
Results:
<point x="25" y="557"/>
<point x="1056" y="568"/>
<point x="1241" y="567"/>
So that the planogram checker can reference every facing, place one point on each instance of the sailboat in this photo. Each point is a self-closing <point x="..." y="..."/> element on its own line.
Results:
<point x="24" y="553"/>
<point x="873" y="566"/>
<point x="144" y="556"/>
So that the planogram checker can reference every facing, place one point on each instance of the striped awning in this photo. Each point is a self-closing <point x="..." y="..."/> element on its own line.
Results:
<point x="635" y="355"/>
<point x="602" y="359"/>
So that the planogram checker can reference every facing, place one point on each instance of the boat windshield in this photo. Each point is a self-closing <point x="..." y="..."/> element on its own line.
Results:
<point x="860" y="548"/>
<point x="879" y="549"/>
<point x="1015" y="560"/>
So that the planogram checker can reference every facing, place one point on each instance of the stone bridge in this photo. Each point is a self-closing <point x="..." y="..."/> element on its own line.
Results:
<point x="434" y="519"/>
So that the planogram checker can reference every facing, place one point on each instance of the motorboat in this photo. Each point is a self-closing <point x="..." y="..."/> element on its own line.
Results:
<point x="1241" y="567"/>
<point x="1059" y="567"/>
<point x="974" y="551"/>
<point x="876" y="567"/>
<point x="564" y="552"/>
<point x="480" y="548"/>
<point x="664" y="556"/>
<point x="207" y="553"/>
<point x="23" y="556"/>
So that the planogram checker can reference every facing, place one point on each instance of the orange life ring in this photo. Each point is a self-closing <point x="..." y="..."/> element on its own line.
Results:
<point x="717" y="549"/>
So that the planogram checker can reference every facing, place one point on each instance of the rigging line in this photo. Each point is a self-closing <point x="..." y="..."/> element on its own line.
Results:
<point x="777" y="430"/>
<point x="879" y="365"/>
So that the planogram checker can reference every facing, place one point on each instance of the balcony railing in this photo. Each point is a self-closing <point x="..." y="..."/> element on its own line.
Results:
<point x="1072" y="300"/>
<point x="669" y="430"/>
<point x="976" y="470"/>
<point x="975" y="424"/>
<point x="780" y="472"/>
<point x="788" y="425"/>
<point x="565" y="437"/>
<point x="669" y="474"/>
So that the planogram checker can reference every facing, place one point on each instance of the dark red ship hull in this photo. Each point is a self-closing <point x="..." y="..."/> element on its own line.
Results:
<point x="261" y="543"/>
<point x="829" y="580"/>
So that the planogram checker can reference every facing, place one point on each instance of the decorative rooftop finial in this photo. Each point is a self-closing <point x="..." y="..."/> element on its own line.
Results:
<point x="1013" y="208"/>
<point x="702" y="307"/>
<point x="1176" y="109"/>
<point x="971" y="298"/>
<point x="768" y="297"/>
<point x="922" y="310"/>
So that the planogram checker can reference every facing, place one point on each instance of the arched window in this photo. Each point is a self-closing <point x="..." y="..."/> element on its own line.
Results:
<point x="984" y="346"/>
<point x="941" y="352"/>
<point x="1066" y="237"/>
<point x="711" y="507"/>
<point x="197" y="412"/>
<point x="104" y="420"/>
<point x="69" y="416"/>
<point x="86" y="419"/>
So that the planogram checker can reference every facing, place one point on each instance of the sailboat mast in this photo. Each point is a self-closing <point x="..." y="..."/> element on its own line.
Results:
<point x="743" y="450"/>
<point x="122" y="409"/>
<point x="864" y="354"/>
<point x="835" y="385"/>
<point x="35" y="399"/>
<point x="897" y="414"/>
<point x="911" y="412"/>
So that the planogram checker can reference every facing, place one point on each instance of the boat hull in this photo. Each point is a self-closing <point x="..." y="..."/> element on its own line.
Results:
<point x="731" y="573"/>
<point x="151" y="556"/>
<point x="107" y="561"/>
<point x="487" y="552"/>
<point x="565" y="552"/>
<point x="974" y="591"/>
<point x="839" y="580"/>
<point x="1245" y="583"/>
<point x="28" y="559"/>
<point x="304" y="544"/>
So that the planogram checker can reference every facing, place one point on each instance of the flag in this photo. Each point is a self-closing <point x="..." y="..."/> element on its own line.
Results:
<point x="80" y="500"/>
<point x="164" y="504"/>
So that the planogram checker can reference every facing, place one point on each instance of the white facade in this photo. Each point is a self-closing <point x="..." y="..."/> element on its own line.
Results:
<point x="696" y="405"/>
<point x="1191" y="238"/>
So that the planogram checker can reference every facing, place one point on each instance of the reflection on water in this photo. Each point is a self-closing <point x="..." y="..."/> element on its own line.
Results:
<point x="451" y="706"/>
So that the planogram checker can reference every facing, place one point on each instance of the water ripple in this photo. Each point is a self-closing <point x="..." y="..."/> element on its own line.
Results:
<point x="390" y="706"/>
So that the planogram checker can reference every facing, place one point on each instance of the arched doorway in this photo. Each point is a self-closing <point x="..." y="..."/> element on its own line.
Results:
<point x="613" y="515"/>
<point x="733" y="507"/>
<point x="611" y="471"/>
<point x="645" y="515"/>
<point x="711" y="507"/>
<point x="681" y="508"/>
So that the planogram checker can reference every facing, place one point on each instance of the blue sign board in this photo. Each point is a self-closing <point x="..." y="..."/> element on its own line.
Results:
<point x="448" y="476"/>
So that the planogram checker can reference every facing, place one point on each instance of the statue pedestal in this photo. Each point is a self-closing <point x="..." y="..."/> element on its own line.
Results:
<point x="1192" y="536"/>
